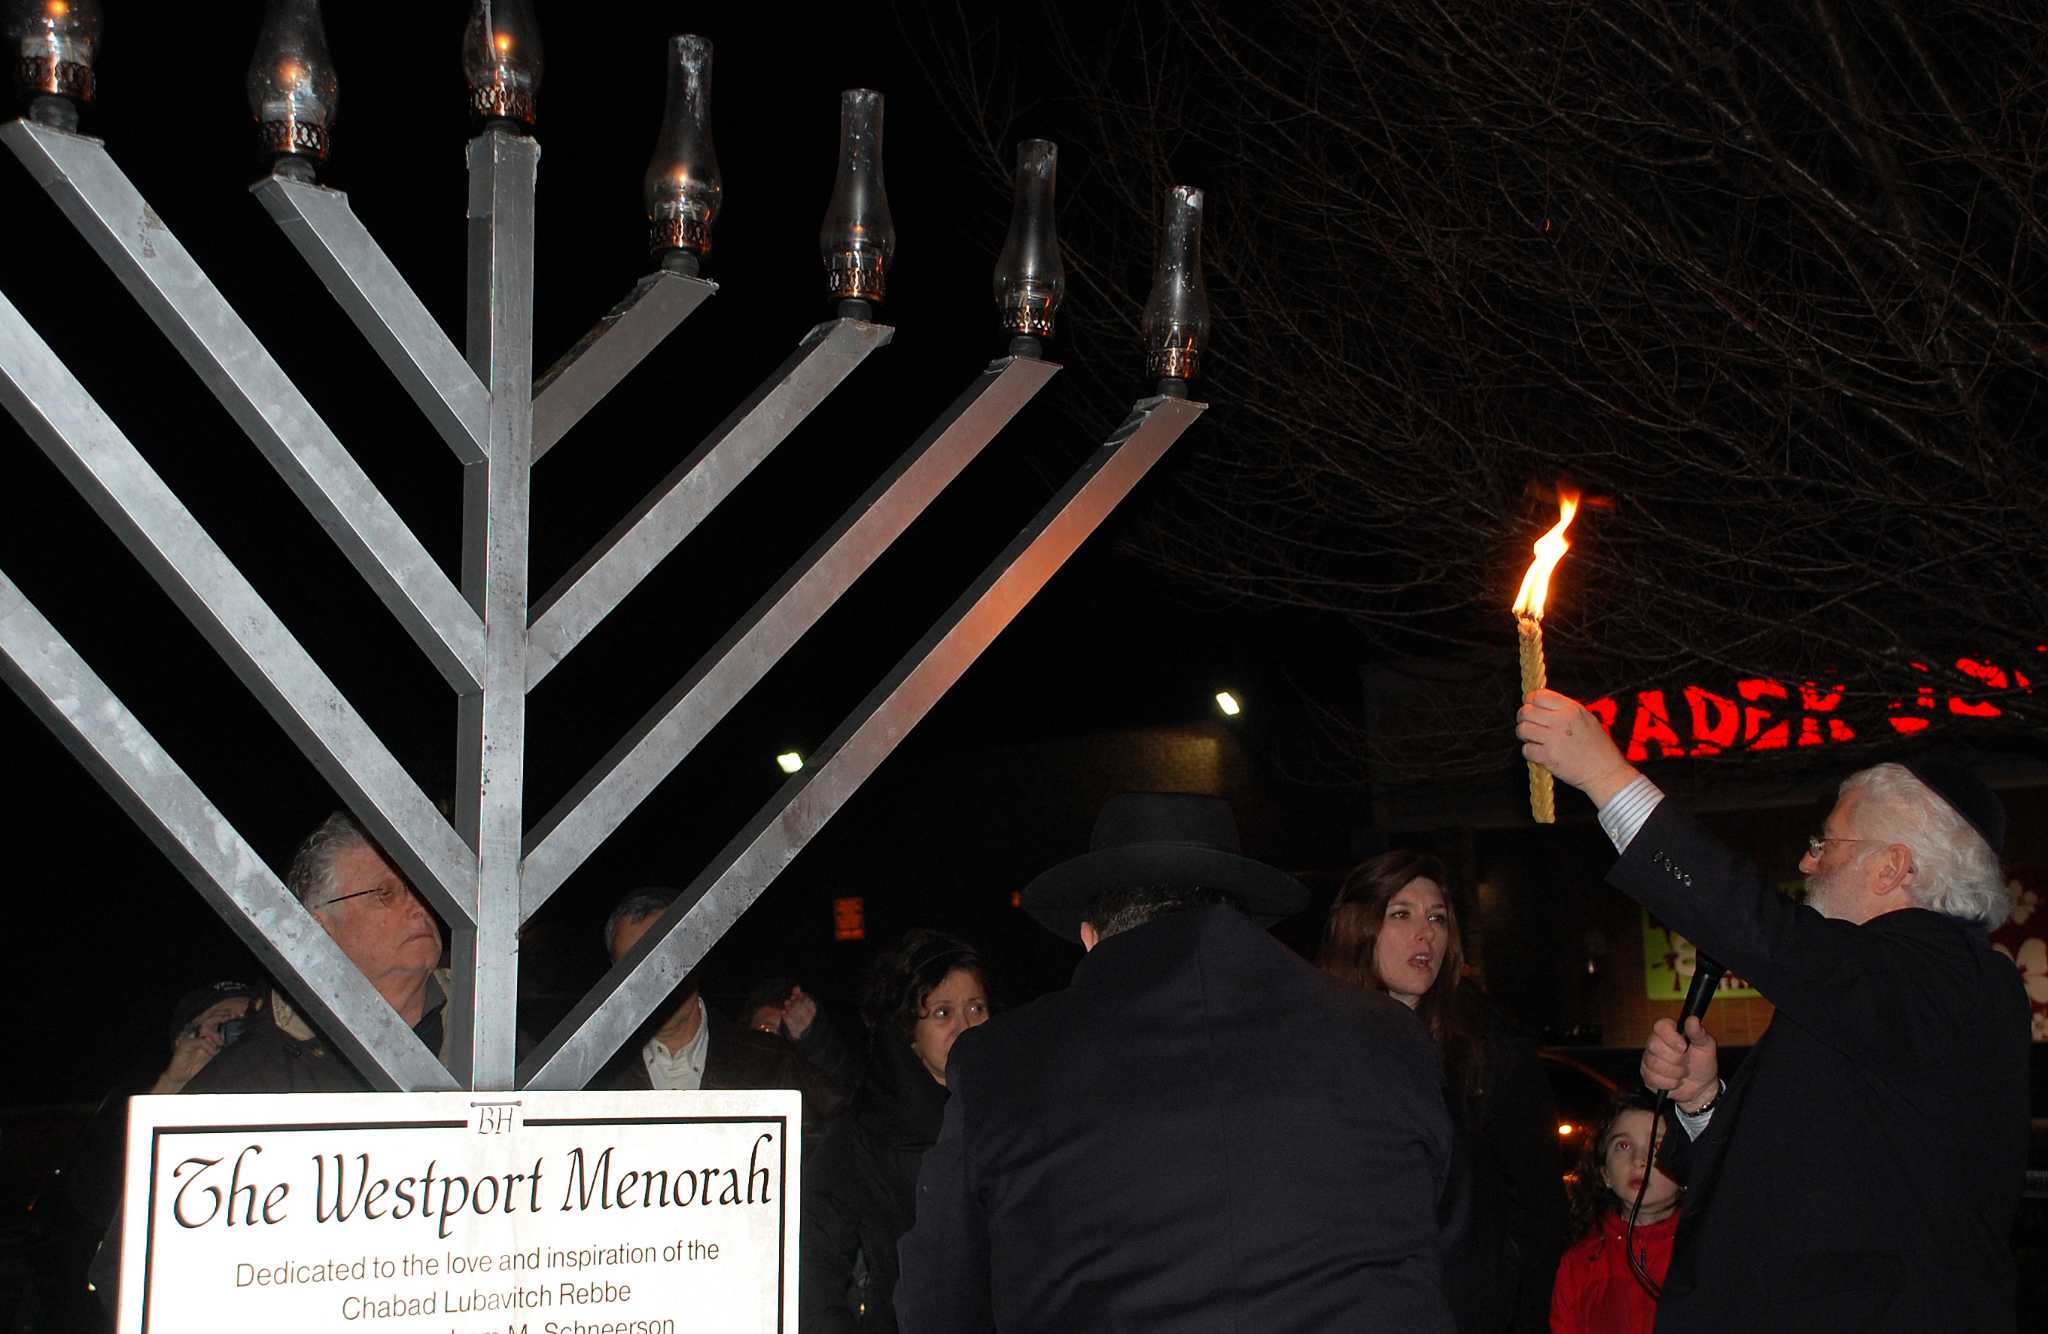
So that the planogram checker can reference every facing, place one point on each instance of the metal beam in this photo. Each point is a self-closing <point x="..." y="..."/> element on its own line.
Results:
<point x="664" y="738"/>
<point x="615" y="567"/>
<point x="601" y="358"/>
<point x="59" y="414"/>
<point x="169" y="285"/>
<point x="334" y="243"/>
<point x="497" y="511"/>
<point x="119" y="752"/>
<point x="640" y="982"/>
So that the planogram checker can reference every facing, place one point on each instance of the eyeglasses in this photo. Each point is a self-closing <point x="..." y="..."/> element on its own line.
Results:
<point x="1817" y="844"/>
<point x="387" y="896"/>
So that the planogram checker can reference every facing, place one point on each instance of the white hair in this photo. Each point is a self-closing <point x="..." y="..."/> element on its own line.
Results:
<point x="311" y="877"/>
<point x="1955" y="871"/>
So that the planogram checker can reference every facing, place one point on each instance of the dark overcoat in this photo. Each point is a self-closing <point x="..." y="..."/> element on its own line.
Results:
<point x="860" y="1194"/>
<point x="1862" y="1170"/>
<point x="1203" y="1133"/>
<point x="1498" y="1272"/>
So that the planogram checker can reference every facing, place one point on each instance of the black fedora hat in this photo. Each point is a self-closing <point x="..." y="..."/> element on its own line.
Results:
<point x="1161" y="838"/>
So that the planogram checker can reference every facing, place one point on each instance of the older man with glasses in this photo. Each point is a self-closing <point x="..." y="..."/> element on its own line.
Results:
<point x="1861" y="1170"/>
<point x="385" y="929"/>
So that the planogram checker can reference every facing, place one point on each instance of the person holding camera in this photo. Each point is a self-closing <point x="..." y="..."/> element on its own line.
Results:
<point x="206" y="1021"/>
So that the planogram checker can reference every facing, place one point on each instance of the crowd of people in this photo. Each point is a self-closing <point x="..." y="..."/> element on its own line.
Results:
<point x="1206" y="1132"/>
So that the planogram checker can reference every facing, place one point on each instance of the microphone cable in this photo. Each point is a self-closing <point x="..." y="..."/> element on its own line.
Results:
<point x="1706" y="978"/>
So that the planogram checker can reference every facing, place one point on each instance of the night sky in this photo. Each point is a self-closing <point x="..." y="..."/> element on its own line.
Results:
<point x="104" y="933"/>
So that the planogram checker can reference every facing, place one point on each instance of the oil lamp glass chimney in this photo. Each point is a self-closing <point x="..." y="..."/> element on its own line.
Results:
<point x="54" y="44"/>
<point x="292" y="89"/>
<point x="502" y="62"/>
<point x="1176" y="324"/>
<point x="681" y="188"/>
<point x="858" y="235"/>
<point x="1030" y="279"/>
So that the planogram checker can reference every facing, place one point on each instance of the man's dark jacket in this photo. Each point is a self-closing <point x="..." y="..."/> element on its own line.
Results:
<point x="1202" y="1134"/>
<point x="1862" y="1170"/>
<point x="281" y="1052"/>
<point x="738" y="1057"/>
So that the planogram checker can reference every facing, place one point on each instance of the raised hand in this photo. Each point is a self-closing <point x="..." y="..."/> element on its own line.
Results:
<point x="797" y="1013"/>
<point x="1558" y="733"/>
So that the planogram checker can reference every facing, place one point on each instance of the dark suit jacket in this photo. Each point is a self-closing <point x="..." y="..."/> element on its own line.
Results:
<point x="1203" y="1133"/>
<point x="738" y="1057"/>
<point x="1863" y="1168"/>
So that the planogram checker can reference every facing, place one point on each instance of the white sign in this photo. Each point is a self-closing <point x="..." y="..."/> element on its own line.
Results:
<point x="462" y="1213"/>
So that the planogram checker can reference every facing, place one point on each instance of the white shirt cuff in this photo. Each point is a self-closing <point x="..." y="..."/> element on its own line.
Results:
<point x="1626" y="811"/>
<point x="1695" y="1125"/>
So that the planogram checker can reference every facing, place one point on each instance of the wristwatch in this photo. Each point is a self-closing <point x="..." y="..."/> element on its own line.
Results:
<point x="1720" y="1087"/>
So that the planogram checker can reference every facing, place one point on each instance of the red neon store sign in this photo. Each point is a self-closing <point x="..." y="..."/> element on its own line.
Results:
<point x="1765" y="714"/>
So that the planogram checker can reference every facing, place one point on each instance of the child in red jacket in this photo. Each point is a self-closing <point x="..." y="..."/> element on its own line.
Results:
<point x="1597" y="1291"/>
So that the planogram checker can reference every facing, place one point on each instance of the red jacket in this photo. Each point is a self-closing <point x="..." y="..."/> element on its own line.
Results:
<point x="1597" y="1291"/>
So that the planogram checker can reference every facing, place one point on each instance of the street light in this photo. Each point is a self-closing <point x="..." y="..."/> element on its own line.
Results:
<point x="1227" y="703"/>
<point x="789" y="761"/>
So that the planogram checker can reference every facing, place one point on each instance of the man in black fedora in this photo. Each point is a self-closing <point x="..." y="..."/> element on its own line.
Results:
<point x="1861" y="1169"/>
<point x="1202" y="1133"/>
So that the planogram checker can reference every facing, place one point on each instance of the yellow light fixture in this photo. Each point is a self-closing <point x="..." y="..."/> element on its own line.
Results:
<point x="1227" y="702"/>
<point x="789" y="761"/>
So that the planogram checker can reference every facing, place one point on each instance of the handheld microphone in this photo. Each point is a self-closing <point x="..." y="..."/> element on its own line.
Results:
<point x="1706" y="980"/>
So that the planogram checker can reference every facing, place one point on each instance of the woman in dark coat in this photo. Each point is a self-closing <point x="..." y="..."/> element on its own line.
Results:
<point x="860" y="1189"/>
<point x="1394" y="928"/>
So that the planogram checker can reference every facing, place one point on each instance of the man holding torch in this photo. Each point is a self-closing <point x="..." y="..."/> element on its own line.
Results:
<point x="1862" y="1169"/>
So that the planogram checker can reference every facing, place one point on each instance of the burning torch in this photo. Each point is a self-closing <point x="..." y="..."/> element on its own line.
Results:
<point x="1528" y="610"/>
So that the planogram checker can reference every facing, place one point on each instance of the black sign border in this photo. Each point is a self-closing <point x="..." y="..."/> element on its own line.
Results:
<point x="158" y="1133"/>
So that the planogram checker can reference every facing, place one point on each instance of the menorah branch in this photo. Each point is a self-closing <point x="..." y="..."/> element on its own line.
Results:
<point x="382" y="305"/>
<point x="171" y="288"/>
<point x="57" y="412"/>
<point x="656" y="308"/>
<point x="197" y="839"/>
<point x="608" y="1015"/>
<point x="581" y="600"/>
<point x="666" y="736"/>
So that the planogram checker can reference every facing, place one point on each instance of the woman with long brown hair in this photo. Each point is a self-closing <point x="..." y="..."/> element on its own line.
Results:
<point x="1394" y="929"/>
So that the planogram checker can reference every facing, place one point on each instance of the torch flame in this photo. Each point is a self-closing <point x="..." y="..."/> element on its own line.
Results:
<point x="1550" y="550"/>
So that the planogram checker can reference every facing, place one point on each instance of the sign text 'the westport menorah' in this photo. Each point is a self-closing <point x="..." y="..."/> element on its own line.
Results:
<point x="484" y="873"/>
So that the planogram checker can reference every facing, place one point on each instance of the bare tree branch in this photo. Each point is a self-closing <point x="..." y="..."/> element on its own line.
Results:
<point x="1767" y="276"/>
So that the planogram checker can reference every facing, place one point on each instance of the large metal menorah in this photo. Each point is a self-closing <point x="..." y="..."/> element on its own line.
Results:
<point x="485" y="873"/>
